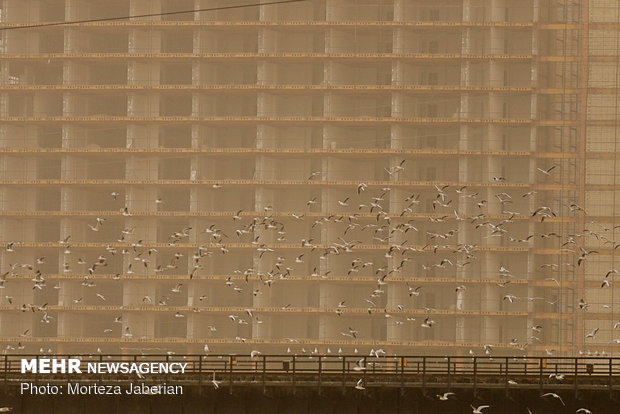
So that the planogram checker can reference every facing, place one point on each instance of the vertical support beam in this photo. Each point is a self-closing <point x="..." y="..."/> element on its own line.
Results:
<point x="200" y="374"/>
<point x="230" y="374"/>
<point x="576" y="373"/>
<point x="540" y="376"/>
<point x="68" y="375"/>
<point x="402" y="375"/>
<point x="100" y="375"/>
<point x="579" y="338"/>
<point x="475" y="376"/>
<point x="167" y="364"/>
<point x="344" y="374"/>
<point x="320" y="373"/>
<point x="423" y="375"/>
<point x="506" y="376"/>
<point x="611" y="378"/>
<point x="364" y="375"/>
<point x="294" y="375"/>
<point x="449" y="375"/>
<point x="6" y="369"/>
<point x="135" y="358"/>
<point x="264" y="373"/>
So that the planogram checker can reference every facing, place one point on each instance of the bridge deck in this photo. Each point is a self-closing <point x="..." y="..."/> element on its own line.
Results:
<point x="344" y="371"/>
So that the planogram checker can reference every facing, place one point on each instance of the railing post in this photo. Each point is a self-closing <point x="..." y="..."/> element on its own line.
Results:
<point x="402" y="375"/>
<point x="264" y="373"/>
<point x="199" y="373"/>
<point x="576" y="371"/>
<point x="424" y="375"/>
<point x="540" y="376"/>
<point x="320" y="373"/>
<point x="449" y="376"/>
<point x="475" y="376"/>
<point x="135" y="360"/>
<point x="506" y="375"/>
<point x="6" y="368"/>
<point x="611" y="386"/>
<point x="100" y="375"/>
<point x="167" y="364"/>
<point x="230" y="374"/>
<point x="69" y="375"/>
<point x="344" y="374"/>
<point x="364" y="373"/>
<point x="294" y="378"/>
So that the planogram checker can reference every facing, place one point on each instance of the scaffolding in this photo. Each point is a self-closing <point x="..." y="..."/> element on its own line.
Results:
<point x="194" y="178"/>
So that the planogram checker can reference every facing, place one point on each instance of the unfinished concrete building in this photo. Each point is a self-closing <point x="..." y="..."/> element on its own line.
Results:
<point x="418" y="176"/>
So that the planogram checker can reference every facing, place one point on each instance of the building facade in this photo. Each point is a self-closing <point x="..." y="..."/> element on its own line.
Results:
<point x="417" y="176"/>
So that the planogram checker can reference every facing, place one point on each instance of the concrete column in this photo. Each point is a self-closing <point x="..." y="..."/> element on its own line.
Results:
<point x="139" y="7"/>
<point x="76" y="10"/>
<point x="70" y="290"/>
<point x="75" y="73"/>
<point x="141" y="73"/>
<point x="460" y="329"/>
<point x="398" y="105"/>
<point x="143" y="105"/>
<point x="466" y="10"/>
<point x="399" y="11"/>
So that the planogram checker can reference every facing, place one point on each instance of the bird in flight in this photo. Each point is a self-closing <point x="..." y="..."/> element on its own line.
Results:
<point x="478" y="410"/>
<point x="547" y="171"/>
<point x="553" y="395"/>
<point x="445" y="396"/>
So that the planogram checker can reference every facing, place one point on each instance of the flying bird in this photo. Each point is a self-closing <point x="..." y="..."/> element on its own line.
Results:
<point x="554" y="395"/>
<point x="445" y="396"/>
<point x="547" y="171"/>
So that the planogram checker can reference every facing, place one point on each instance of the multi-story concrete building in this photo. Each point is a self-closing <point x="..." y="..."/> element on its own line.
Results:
<point x="317" y="174"/>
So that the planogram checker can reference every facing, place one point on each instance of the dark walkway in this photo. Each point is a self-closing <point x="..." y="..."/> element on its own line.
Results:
<point x="281" y="401"/>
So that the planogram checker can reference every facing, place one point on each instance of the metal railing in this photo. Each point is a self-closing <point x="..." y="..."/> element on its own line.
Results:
<point x="344" y="371"/>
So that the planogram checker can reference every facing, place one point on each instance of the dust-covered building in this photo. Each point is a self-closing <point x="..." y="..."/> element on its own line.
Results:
<point x="312" y="176"/>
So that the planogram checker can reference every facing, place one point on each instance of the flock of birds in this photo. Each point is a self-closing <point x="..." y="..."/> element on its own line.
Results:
<point x="549" y="396"/>
<point x="366" y="213"/>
